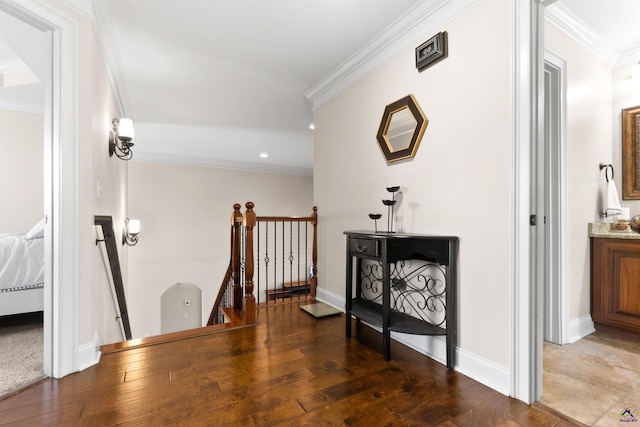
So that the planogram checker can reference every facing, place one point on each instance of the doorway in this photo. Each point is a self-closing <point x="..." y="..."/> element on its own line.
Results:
<point x="61" y="177"/>
<point x="551" y="194"/>
<point x="590" y="378"/>
<point x="23" y="51"/>
<point x="548" y="220"/>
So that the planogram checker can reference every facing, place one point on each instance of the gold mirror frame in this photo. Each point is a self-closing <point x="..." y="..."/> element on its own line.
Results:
<point x="631" y="153"/>
<point x="399" y="134"/>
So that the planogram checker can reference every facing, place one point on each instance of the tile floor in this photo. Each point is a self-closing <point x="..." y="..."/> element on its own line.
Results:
<point x="595" y="379"/>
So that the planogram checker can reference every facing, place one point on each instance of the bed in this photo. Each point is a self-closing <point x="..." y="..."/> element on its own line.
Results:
<point x="22" y="271"/>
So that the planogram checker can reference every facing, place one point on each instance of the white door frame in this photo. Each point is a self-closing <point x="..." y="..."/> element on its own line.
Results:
<point x="555" y="254"/>
<point x="526" y="333"/>
<point x="61" y="184"/>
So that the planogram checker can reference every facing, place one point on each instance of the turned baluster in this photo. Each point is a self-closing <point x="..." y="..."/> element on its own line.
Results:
<point x="249" y="302"/>
<point x="314" y="253"/>
<point x="236" y="225"/>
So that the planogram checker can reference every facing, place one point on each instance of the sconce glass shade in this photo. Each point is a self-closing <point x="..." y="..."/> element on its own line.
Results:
<point x="134" y="227"/>
<point x="130" y="232"/>
<point x="125" y="130"/>
<point x="121" y="139"/>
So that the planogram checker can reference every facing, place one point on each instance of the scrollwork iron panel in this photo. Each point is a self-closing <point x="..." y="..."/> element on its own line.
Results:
<point x="418" y="288"/>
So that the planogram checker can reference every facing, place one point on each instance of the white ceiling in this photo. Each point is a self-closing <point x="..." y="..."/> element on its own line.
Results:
<point x="616" y="21"/>
<point x="609" y="27"/>
<point x="217" y="82"/>
<point x="220" y="82"/>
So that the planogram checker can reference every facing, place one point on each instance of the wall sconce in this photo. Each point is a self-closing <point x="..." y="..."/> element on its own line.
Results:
<point x="121" y="139"/>
<point x="130" y="231"/>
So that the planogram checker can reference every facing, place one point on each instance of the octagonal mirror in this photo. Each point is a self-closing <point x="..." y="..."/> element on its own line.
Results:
<point x="401" y="128"/>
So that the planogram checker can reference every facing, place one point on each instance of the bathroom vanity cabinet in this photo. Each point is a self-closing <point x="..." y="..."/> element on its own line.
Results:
<point x="404" y="283"/>
<point x="615" y="282"/>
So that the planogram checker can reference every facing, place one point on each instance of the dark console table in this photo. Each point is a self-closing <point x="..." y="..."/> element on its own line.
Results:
<point x="404" y="283"/>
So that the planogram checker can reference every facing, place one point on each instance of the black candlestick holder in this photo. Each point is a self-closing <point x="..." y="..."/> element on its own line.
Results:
<point x="393" y="190"/>
<point x="390" y="204"/>
<point x="375" y="218"/>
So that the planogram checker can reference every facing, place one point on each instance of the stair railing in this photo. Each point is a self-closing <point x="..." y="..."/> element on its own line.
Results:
<point x="287" y="253"/>
<point x="105" y="230"/>
<point x="228" y="303"/>
<point x="234" y="305"/>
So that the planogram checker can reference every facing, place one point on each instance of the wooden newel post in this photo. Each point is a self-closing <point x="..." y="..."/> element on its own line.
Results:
<point x="314" y="253"/>
<point x="249" y="301"/>
<point x="236" y="227"/>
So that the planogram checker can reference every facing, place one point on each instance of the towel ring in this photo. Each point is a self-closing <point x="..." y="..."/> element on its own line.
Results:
<point x="606" y="172"/>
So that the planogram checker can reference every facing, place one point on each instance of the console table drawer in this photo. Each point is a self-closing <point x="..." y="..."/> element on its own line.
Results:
<point x="364" y="247"/>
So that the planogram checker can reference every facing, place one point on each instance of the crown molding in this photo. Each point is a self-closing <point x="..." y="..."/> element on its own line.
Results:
<point x="105" y="31"/>
<point x="149" y="157"/>
<point x="95" y="11"/>
<point x="629" y="56"/>
<point x="81" y="6"/>
<point x="562" y="18"/>
<point x="415" y="26"/>
<point x="21" y="106"/>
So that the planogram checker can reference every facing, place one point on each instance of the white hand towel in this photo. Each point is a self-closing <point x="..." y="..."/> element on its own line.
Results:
<point x="613" y="207"/>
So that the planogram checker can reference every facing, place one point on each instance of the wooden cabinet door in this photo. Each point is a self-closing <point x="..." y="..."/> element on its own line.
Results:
<point x="616" y="282"/>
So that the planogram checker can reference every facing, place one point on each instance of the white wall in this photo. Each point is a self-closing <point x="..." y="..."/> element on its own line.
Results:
<point x="21" y="170"/>
<point x="588" y="143"/>
<point x="626" y="94"/>
<point x="185" y="214"/>
<point x="105" y="191"/>
<point x="96" y="106"/>
<point x="459" y="183"/>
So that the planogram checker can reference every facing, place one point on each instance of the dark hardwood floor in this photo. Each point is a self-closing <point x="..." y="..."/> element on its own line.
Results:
<point x="289" y="370"/>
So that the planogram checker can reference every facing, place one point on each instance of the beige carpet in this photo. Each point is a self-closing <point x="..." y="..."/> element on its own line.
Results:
<point x="21" y="352"/>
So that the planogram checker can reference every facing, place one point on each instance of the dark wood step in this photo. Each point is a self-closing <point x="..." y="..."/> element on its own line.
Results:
<point x="289" y="290"/>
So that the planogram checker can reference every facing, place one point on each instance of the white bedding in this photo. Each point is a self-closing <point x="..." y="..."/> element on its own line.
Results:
<point x="21" y="262"/>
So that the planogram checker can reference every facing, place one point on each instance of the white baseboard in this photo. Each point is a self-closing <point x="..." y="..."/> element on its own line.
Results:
<point x="330" y="298"/>
<point x="484" y="371"/>
<point x="89" y="353"/>
<point x="580" y="328"/>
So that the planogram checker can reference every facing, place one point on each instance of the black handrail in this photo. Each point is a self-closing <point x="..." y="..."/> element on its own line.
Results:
<point x="106" y="222"/>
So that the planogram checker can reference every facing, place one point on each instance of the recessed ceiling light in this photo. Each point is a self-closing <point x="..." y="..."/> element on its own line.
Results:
<point x="311" y="126"/>
<point x="264" y="155"/>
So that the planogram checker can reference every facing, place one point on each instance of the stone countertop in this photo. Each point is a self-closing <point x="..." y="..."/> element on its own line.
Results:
<point x="603" y="230"/>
